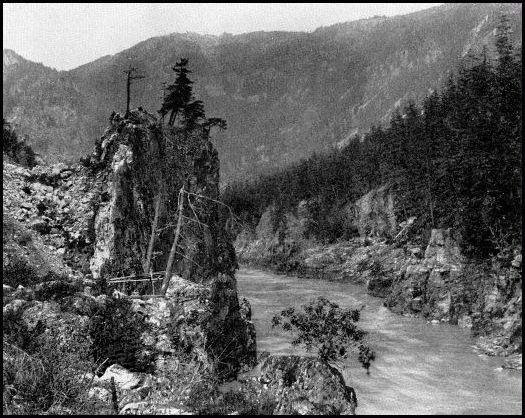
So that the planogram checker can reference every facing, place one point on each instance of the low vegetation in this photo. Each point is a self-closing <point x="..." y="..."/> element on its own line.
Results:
<point x="44" y="371"/>
<point x="331" y="331"/>
<point x="115" y="331"/>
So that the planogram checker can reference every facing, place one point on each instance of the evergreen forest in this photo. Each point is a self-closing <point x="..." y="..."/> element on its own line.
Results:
<point x="454" y="161"/>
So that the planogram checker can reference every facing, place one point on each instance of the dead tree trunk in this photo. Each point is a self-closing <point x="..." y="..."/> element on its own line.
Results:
<point x="173" y="251"/>
<point x="173" y="117"/>
<point x="147" y="266"/>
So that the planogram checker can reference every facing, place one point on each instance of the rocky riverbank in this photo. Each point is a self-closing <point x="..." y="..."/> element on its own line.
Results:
<point x="434" y="281"/>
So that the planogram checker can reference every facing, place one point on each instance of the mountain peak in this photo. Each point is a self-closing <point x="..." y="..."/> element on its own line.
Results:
<point x="11" y="58"/>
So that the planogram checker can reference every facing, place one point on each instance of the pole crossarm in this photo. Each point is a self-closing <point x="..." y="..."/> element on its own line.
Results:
<point x="130" y="73"/>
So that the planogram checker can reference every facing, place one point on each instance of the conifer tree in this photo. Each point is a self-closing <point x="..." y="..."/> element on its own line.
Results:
<point x="179" y="100"/>
<point x="456" y="164"/>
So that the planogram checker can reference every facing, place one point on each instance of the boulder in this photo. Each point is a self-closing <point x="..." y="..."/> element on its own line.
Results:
<point x="7" y="289"/>
<point x="39" y="225"/>
<point x="306" y="386"/>
<point x="145" y="408"/>
<point x="124" y="379"/>
<point x="134" y="408"/>
<point x="99" y="393"/>
<point x="516" y="262"/>
<point x="185" y="290"/>
<point x="14" y="307"/>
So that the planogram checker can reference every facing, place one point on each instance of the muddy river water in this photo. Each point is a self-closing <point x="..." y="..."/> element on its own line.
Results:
<point x="421" y="368"/>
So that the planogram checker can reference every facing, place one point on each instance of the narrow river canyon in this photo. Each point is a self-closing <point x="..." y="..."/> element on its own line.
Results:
<point x="421" y="368"/>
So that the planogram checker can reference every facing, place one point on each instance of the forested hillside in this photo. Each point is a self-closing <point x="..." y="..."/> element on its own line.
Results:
<point x="285" y="95"/>
<point x="454" y="160"/>
<point x="16" y="149"/>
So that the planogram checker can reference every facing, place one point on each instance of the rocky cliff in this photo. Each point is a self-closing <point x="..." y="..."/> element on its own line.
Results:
<point x="93" y="222"/>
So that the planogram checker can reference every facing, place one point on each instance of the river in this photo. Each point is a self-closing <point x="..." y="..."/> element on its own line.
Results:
<point x="420" y="368"/>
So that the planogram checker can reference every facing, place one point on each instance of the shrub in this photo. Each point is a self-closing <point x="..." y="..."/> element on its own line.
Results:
<point x="51" y="285"/>
<point x="247" y="399"/>
<point x="55" y="287"/>
<point x="18" y="272"/>
<point x="328" y="328"/>
<point x="15" y="330"/>
<point x="179" y="385"/>
<point x="116" y="330"/>
<point x="44" y="371"/>
<point x="204" y="397"/>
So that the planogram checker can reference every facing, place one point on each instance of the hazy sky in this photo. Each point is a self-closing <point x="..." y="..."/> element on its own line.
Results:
<point x="66" y="35"/>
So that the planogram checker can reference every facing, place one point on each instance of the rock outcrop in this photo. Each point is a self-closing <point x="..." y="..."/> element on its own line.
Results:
<point x="305" y="386"/>
<point x="134" y="162"/>
<point x="58" y="204"/>
<point x="189" y="319"/>
<point x="96" y="219"/>
<point x="271" y="244"/>
<point x="429" y="285"/>
<point x="374" y="215"/>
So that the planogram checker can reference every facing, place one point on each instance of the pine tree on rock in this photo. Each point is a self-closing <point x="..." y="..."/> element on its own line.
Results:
<point x="179" y="100"/>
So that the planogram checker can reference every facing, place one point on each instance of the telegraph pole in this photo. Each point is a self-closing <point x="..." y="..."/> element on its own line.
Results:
<point x="130" y="76"/>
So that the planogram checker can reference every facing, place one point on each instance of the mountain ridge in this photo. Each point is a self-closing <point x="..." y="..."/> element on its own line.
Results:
<point x="285" y="95"/>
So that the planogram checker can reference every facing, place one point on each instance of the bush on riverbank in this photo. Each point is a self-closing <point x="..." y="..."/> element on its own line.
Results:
<point x="330" y="330"/>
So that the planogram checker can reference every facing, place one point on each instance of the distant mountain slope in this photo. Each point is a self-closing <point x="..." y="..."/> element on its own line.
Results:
<point x="48" y="106"/>
<point x="285" y="95"/>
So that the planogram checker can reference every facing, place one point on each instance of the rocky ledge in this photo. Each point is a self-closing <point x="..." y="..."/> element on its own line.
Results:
<point x="286" y="385"/>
